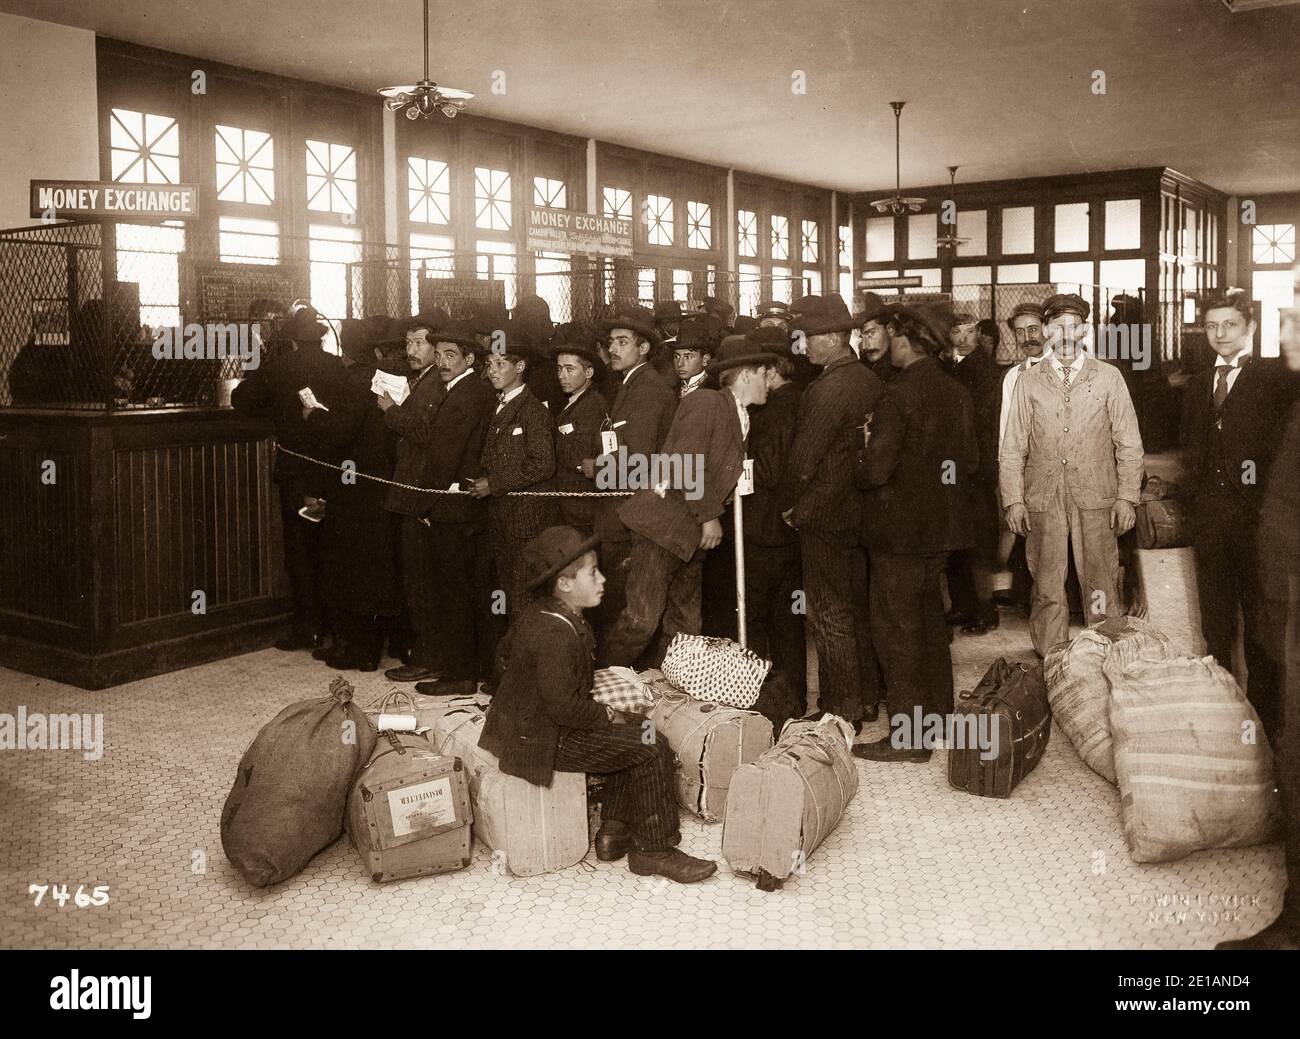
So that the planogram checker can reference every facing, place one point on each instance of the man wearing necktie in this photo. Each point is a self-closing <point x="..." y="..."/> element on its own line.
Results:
<point x="1233" y="415"/>
<point x="1070" y="467"/>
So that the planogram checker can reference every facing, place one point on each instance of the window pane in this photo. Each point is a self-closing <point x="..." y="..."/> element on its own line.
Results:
<point x="430" y="258"/>
<point x="1123" y="275"/>
<point x="547" y="192"/>
<point x="1274" y="290"/>
<point x="331" y="177"/>
<point x="922" y="230"/>
<point x="1018" y="274"/>
<point x="846" y="245"/>
<point x="428" y="191"/>
<point x="682" y="281"/>
<point x="617" y="203"/>
<point x="780" y="238"/>
<point x="846" y="288"/>
<point x="1273" y="243"/>
<point x="555" y="284"/>
<point x="931" y="278"/>
<point x="747" y="232"/>
<point x="1069" y="277"/>
<point x="331" y="249"/>
<point x="782" y="284"/>
<point x="810" y="246"/>
<point x="1124" y="223"/>
<point x="880" y="274"/>
<point x="880" y="239"/>
<point x="144" y="148"/>
<point x="975" y="226"/>
<point x="645" y="287"/>
<point x="813" y="282"/>
<point x="245" y="165"/>
<point x="750" y="284"/>
<point x="248" y="241"/>
<point x="499" y="265"/>
<point x="147" y="256"/>
<point x="1018" y="229"/>
<point x="1072" y="227"/>
<point x="659" y="219"/>
<point x="972" y="275"/>
<point x="699" y="231"/>
<point x="491" y="199"/>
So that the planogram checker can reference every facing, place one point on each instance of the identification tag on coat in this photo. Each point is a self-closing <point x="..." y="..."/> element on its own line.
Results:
<point x="608" y="442"/>
<point x="745" y="485"/>
<point x="567" y="428"/>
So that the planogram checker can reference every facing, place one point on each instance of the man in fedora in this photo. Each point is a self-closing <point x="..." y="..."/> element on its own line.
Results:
<point x="578" y="424"/>
<point x="692" y="351"/>
<point x="918" y="467"/>
<point x="674" y="526"/>
<point x="543" y="719"/>
<point x="413" y="421"/>
<point x="460" y="585"/>
<point x="1070" y="472"/>
<point x="668" y="319"/>
<point x="276" y="388"/>
<point x="518" y="455"/>
<point x="819" y="498"/>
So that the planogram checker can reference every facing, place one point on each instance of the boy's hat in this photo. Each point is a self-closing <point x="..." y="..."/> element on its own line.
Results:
<point x="551" y="551"/>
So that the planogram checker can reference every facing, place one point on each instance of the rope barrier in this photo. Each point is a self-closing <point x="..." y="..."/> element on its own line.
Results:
<point x="438" y="490"/>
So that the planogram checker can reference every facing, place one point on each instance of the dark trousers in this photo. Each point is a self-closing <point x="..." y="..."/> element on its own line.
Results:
<point x="773" y="574"/>
<point x="508" y="554"/>
<point x="362" y="633"/>
<point x="1227" y="580"/>
<point x="639" y="788"/>
<point x="1021" y="581"/>
<point x="911" y="633"/>
<point x="835" y="583"/>
<point x="467" y="628"/>
<point x="718" y="586"/>
<point x="302" y="560"/>
<point x="663" y="593"/>
<point x="420" y="585"/>
<point x="1287" y="748"/>
<point x="970" y="570"/>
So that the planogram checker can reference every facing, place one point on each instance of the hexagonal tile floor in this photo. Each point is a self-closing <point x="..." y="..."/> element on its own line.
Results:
<point x="913" y="864"/>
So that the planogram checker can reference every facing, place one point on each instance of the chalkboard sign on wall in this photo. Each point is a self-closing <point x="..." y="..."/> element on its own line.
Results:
<point x="224" y="291"/>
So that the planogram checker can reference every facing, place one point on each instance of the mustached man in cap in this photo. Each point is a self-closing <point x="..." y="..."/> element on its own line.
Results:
<point x="458" y="593"/>
<point x="692" y="351"/>
<point x="918" y="467"/>
<point x="579" y="419"/>
<point x="772" y="313"/>
<point x="518" y="455"/>
<point x="543" y="719"/>
<point x="674" y="526"/>
<point x="1071" y="468"/>
<point x="873" y="346"/>
<point x="275" y="389"/>
<point x="820" y="499"/>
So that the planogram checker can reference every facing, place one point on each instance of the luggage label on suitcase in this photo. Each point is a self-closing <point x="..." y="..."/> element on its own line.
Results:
<point x="414" y="806"/>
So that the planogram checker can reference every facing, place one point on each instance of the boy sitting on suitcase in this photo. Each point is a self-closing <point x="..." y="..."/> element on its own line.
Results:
<point x="543" y="720"/>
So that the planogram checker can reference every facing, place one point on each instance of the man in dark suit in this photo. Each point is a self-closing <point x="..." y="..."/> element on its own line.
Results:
<point x="970" y="570"/>
<point x="773" y="569"/>
<point x="918" y="466"/>
<point x="673" y="526"/>
<point x="461" y="582"/>
<point x="412" y="420"/>
<point x="819" y="498"/>
<point x="518" y="455"/>
<point x="578" y="424"/>
<point x="1232" y="417"/>
<point x="275" y="389"/>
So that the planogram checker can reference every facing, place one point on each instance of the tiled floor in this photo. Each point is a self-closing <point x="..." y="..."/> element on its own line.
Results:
<point x="913" y="864"/>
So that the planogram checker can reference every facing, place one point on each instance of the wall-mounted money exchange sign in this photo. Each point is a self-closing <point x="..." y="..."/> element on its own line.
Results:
<point x="567" y="231"/>
<point x="62" y="199"/>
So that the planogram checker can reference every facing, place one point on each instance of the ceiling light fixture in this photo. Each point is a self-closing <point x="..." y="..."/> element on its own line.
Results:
<point x="949" y="239"/>
<point x="424" y="98"/>
<point x="898" y="205"/>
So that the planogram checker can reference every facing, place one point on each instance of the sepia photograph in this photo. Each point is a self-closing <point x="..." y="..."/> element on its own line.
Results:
<point x="650" y="475"/>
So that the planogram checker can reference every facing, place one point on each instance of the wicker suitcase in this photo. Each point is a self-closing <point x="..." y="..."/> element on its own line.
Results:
<point x="711" y="741"/>
<point x="782" y="806"/>
<point x="531" y="829"/>
<point x="1013" y="699"/>
<point x="409" y="812"/>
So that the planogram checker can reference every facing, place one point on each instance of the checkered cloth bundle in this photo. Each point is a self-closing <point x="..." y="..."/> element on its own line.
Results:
<point x="621" y="689"/>
<point x="715" y="669"/>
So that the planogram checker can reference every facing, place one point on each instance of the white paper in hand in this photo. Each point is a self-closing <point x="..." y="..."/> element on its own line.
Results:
<point x="395" y="386"/>
<point x="309" y="399"/>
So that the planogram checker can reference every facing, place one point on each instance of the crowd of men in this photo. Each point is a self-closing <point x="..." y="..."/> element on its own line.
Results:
<point x="884" y="472"/>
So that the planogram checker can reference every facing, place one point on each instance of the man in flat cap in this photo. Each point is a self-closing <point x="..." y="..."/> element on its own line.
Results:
<point x="1070" y="467"/>
<point x="820" y="499"/>
<point x="873" y="346"/>
<point x="918" y="469"/>
<point x="775" y="314"/>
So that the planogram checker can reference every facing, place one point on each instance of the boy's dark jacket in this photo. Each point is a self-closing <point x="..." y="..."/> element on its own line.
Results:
<point x="543" y="686"/>
<point x="519" y="455"/>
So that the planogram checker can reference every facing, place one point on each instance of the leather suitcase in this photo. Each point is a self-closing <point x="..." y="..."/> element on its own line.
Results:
<point x="409" y="812"/>
<point x="782" y="806"/>
<point x="711" y="741"/>
<point x="1013" y="699"/>
<point x="531" y="829"/>
<point x="1162" y="523"/>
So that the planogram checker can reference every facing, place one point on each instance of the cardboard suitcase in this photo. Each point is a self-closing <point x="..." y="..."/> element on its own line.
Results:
<point x="409" y="811"/>
<point x="1010" y="707"/>
<point x="783" y="805"/>
<point x="711" y="741"/>
<point x="535" y="829"/>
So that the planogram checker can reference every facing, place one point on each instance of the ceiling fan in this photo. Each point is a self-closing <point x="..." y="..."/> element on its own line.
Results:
<point x="424" y="98"/>
<point x="950" y="239"/>
<point x="898" y="205"/>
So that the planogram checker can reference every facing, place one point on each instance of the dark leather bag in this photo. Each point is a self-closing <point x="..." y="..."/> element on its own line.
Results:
<point x="1013" y="699"/>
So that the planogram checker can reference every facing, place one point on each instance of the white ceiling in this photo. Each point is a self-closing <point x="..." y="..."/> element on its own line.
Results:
<point x="1002" y="88"/>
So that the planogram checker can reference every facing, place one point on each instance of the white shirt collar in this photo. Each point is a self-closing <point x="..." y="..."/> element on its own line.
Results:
<point x="958" y="358"/>
<point x="744" y="419"/>
<point x="694" y="382"/>
<point x="467" y="371"/>
<point x="1075" y="366"/>
<point x="633" y="371"/>
<point x="573" y="397"/>
<point x="1237" y="360"/>
<point x="512" y="395"/>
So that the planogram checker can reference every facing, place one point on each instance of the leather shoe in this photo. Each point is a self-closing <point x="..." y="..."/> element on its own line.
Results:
<point x="672" y="863"/>
<point x="412" y="673"/>
<point x="870" y="714"/>
<point x="956" y="618"/>
<point x="1282" y="933"/>
<point x="613" y="840"/>
<point x="446" y="687"/>
<point x="883" y="750"/>
<point x="292" y="643"/>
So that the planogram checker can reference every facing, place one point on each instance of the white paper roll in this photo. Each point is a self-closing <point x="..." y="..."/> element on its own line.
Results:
<point x="397" y="722"/>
